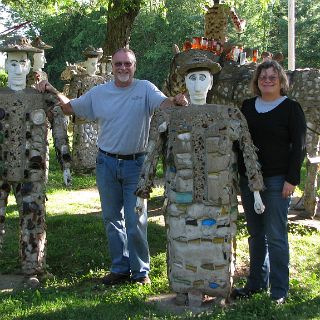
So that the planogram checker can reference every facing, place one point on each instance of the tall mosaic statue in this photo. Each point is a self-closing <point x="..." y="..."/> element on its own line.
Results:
<point x="216" y="21"/>
<point x="199" y="146"/>
<point x="23" y="147"/>
<point x="85" y="133"/>
<point x="57" y="121"/>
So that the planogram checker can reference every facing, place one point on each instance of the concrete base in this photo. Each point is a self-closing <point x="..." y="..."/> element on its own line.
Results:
<point x="10" y="282"/>
<point x="167" y="303"/>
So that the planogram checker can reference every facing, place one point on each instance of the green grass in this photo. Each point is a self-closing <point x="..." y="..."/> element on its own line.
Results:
<point x="78" y="258"/>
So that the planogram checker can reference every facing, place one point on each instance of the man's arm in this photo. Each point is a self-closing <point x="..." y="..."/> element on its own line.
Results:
<point x="64" y="102"/>
<point x="178" y="100"/>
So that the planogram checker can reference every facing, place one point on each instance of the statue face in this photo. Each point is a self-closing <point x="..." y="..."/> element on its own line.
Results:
<point x="91" y="66"/>
<point x="18" y="66"/>
<point x="198" y="84"/>
<point x="39" y="61"/>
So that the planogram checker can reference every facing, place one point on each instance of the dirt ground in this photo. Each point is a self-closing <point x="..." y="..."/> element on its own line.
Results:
<point x="10" y="282"/>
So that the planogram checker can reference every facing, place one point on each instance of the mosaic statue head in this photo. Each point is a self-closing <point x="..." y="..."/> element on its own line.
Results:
<point x="39" y="59"/>
<point x="17" y="63"/>
<point x="92" y="56"/>
<point x="198" y="70"/>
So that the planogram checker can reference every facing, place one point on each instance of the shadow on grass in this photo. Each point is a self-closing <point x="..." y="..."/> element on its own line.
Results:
<point x="95" y="308"/>
<point x="76" y="244"/>
<point x="83" y="301"/>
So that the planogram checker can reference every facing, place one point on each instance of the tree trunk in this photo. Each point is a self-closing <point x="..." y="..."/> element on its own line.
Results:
<point x="121" y="16"/>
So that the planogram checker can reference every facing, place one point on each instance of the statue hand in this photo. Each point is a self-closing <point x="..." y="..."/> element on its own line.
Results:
<point x="258" y="204"/>
<point x="141" y="206"/>
<point x="67" y="177"/>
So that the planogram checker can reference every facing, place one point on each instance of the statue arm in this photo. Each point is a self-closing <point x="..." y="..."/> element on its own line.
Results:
<point x="154" y="149"/>
<point x="238" y="23"/>
<point x="252" y="164"/>
<point x="59" y="126"/>
<point x="253" y="168"/>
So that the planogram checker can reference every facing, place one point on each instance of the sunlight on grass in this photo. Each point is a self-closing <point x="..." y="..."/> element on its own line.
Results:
<point x="77" y="256"/>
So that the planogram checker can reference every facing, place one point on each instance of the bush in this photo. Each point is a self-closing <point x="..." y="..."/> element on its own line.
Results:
<point x="3" y="78"/>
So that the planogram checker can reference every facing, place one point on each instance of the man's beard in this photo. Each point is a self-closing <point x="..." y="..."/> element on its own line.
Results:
<point x="123" y="77"/>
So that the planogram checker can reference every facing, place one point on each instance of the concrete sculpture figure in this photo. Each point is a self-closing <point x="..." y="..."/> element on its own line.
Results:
<point x="23" y="146"/>
<point x="216" y="21"/>
<point x="85" y="133"/>
<point x="106" y="68"/>
<point x="57" y="121"/>
<point x="200" y="184"/>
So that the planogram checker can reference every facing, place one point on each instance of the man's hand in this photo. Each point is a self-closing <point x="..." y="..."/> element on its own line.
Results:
<point x="46" y="86"/>
<point x="287" y="190"/>
<point x="64" y="102"/>
<point x="180" y="99"/>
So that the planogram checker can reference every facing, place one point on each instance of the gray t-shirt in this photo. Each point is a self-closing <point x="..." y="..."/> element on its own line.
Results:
<point x="124" y="114"/>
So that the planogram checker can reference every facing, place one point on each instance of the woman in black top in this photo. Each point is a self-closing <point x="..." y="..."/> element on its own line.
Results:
<point x="278" y="129"/>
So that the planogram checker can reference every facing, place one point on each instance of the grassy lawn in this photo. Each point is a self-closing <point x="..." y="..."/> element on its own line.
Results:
<point x="77" y="257"/>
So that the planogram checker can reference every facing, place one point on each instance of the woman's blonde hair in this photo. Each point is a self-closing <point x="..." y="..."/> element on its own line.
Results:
<point x="284" y="83"/>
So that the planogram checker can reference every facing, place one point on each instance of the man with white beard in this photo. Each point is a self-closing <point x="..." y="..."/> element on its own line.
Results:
<point x="124" y="108"/>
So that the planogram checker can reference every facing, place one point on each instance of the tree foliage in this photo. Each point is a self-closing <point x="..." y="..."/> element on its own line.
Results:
<point x="120" y="18"/>
<point x="155" y="32"/>
<point x="3" y="78"/>
<point x="151" y="27"/>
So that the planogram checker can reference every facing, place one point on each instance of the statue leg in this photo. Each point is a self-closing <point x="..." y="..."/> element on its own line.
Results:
<point x="195" y="298"/>
<point x="84" y="146"/>
<point x="309" y="201"/>
<point x="31" y="200"/>
<point x="4" y="193"/>
<point x="200" y="253"/>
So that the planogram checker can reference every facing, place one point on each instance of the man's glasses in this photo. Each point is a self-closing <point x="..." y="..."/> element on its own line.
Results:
<point x="127" y="64"/>
<point x="271" y="78"/>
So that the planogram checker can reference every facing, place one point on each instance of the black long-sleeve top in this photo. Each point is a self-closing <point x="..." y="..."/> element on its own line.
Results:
<point x="280" y="136"/>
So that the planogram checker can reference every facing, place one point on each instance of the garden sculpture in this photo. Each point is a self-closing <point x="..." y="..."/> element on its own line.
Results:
<point x="198" y="144"/>
<point x="23" y="125"/>
<point x="216" y="21"/>
<point x="106" y="68"/>
<point x="57" y="121"/>
<point x="85" y="133"/>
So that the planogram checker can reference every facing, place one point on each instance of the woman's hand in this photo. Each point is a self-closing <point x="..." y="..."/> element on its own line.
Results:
<point x="287" y="189"/>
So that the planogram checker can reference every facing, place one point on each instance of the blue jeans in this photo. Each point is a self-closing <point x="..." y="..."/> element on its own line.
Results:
<point x="126" y="230"/>
<point x="268" y="238"/>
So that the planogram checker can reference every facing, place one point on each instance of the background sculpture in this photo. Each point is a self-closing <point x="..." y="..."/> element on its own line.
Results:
<point x="198" y="144"/>
<point x="85" y="133"/>
<point x="23" y="123"/>
<point x="57" y="121"/>
<point x="216" y="21"/>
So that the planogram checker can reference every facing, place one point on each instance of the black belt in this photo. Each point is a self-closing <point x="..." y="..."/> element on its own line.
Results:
<point x="123" y="156"/>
